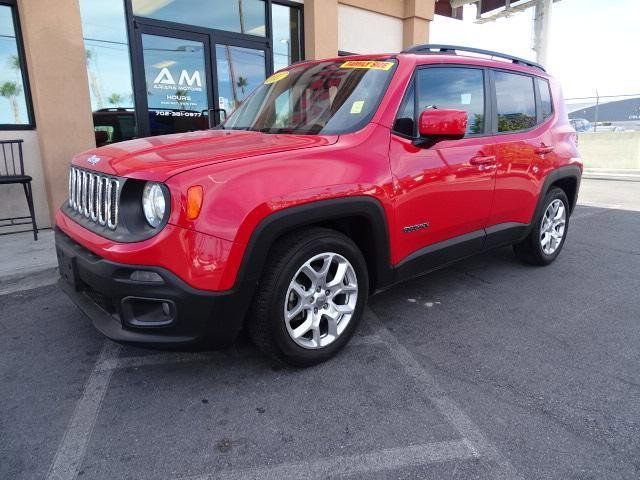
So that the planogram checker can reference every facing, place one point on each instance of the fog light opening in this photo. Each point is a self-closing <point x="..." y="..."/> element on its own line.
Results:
<point x="145" y="276"/>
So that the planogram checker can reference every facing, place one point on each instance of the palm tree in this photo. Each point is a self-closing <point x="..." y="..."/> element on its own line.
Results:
<point x="10" y="91"/>
<point x="14" y="64"/>
<point x="242" y="82"/>
<point x="115" y="99"/>
<point x="94" y="83"/>
<point x="181" y="95"/>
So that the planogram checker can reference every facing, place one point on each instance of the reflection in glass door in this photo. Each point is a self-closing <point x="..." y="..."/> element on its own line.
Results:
<point x="240" y="70"/>
<point x="177" y="80"/>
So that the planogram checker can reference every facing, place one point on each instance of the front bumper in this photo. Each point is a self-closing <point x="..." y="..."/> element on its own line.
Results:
<point x="163" y="313"/>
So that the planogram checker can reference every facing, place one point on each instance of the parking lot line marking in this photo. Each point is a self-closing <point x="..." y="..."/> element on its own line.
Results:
<point x="462" y="423"/>
<point x="159" y="359"/>
<point x="72" y="448"/>
<point x="380" y="460"/>
<point x="176" y="357"/>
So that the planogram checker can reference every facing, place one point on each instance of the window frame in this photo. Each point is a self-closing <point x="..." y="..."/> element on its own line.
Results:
<point x="31" y="123"/>
<point x="414" y="80"/>
<point x="285" y="3"/>
<point x="539" y="118"/>
<point x="536" y="95"/>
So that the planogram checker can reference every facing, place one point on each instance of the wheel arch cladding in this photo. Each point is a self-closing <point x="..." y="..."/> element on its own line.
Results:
<point x="569" y="185"/>
<point x="360" y="218"/>
<point x="568" y="179"/>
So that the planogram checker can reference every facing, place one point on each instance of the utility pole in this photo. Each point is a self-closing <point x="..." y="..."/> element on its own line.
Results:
<point x="541" y="29"/>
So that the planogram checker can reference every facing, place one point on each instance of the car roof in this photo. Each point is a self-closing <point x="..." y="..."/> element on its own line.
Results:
<point x="440" y="58"/>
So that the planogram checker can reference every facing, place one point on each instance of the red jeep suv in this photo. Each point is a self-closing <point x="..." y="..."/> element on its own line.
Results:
<point x="336" y="178"/>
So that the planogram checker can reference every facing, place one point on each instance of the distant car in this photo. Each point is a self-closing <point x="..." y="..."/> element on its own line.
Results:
<point x="581" y="125"/>
<point x="335" y="179"/>
<point x="607" y="127"/>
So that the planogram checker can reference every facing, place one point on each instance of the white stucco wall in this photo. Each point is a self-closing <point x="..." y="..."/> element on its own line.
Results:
<point x="362" y="31"/>
<point x="12" y="200"/>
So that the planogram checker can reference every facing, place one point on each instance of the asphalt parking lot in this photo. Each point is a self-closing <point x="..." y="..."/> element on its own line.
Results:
<point x="488" y="369"/>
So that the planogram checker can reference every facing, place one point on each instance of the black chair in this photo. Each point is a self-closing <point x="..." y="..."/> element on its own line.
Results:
<point x="12" y="171"/>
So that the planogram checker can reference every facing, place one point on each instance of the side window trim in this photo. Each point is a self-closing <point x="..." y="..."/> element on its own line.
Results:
<point x="487" y="93"/>
<point x="410" y="83"/>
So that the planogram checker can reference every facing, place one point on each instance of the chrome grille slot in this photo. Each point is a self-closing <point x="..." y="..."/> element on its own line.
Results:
<point x="95" y="196"/>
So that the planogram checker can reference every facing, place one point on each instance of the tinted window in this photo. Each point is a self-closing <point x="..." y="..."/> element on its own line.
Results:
<point x="244" y="16"/>
<point x="515" y="101"/>
<point x="13" y="101"/>
<point x="546" y="107"/>
<point x="453" y="88"/>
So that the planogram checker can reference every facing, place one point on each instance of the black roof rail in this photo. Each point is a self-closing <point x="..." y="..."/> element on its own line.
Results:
<point x="430" y="48"/>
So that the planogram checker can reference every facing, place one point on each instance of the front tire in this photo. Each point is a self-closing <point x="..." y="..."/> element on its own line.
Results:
<point x="549" y="231"/>
<point x="311" y="297"/>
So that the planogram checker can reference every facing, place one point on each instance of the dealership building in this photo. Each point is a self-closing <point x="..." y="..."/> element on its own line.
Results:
<point x="79" y="73"/>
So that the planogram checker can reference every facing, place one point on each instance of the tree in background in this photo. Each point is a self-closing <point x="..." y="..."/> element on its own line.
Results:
<point x="242" y="82"/>
<point x="10" y="91"/>
<point x="94" y="83"/>
<point x="115" y="99"/>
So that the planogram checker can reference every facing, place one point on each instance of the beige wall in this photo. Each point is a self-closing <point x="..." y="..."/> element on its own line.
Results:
<point x="364" y="26"/>
<point x="12" y="200"/>
<point x="383" y="33"/>
<point x="610" y="150"/>
<point x="55" y="57"/>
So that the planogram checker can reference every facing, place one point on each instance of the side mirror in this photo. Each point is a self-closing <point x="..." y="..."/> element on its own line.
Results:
<point x="435" y="125"/>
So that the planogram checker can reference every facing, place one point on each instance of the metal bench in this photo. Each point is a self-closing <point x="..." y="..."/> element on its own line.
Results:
<point x="12" y="172"/>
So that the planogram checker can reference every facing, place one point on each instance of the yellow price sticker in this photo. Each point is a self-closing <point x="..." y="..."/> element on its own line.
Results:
<point x="369" y="64"/>
<point x="276" y="77"/>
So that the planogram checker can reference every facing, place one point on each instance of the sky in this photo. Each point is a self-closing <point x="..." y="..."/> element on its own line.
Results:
<point x="593" y="43"/>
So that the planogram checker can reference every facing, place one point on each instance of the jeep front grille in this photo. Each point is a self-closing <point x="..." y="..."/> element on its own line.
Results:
<point x="95" y="196"/>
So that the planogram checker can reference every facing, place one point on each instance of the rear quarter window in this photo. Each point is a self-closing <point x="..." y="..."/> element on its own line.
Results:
<point x="546" y="105"/>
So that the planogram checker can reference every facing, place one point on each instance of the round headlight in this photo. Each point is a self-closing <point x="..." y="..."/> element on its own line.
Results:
<point x="153" y="203"/>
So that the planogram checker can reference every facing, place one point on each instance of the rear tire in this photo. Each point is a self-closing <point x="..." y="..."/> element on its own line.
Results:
<point x="549" y="231"/>
<point x="310" y="298"/>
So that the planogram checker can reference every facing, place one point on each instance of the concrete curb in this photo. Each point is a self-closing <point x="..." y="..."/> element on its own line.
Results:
<point x="28" y="280"/>
<point x="622" y="177"/>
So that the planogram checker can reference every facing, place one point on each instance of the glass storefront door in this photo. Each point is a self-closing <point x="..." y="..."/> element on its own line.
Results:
<point x="177" y="81"/>
<point x="183" y="75"/>
<point x="239" y="70"/>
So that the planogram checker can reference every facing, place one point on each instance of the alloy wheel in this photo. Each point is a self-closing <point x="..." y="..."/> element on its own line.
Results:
<point x="320" y="300"/>
<point x="552" y="226"/>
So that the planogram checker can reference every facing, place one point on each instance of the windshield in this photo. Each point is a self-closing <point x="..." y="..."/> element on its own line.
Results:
<point x="323" y="98"/>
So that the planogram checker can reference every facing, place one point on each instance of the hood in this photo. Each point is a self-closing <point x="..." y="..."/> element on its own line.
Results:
<point x="158" y="158"/>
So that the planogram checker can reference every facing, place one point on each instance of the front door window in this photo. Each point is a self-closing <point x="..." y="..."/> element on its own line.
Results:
<point x="176" y="80"/>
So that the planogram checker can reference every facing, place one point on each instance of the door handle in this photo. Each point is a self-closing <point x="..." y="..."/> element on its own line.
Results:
<point x="542" y="149"/>
<point x="483" y="160"/>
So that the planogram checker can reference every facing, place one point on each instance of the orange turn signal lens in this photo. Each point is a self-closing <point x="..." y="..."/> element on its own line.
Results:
<point x="194" y="201"/>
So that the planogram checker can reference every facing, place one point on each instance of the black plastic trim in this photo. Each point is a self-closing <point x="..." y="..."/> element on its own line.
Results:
<point x="505" y="234"/>
<point x="199" y="317"/>
<point x="568" y="171"/>
<point x="289" y="219"/>
<point x="438" y="255"/>
<point x="432" y="48"/>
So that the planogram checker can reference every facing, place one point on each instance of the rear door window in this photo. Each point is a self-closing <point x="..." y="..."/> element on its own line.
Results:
<point x="515" y="101"/>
